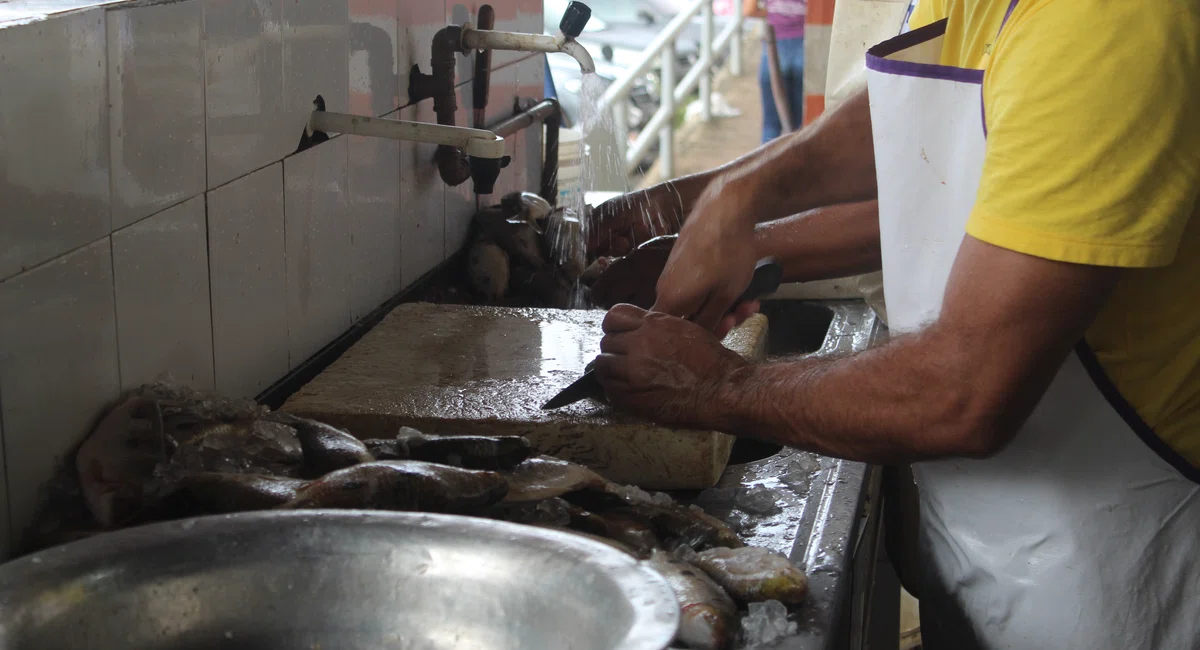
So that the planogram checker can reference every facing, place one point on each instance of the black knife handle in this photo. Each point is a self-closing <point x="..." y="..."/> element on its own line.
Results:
<point x="767" y="275"/>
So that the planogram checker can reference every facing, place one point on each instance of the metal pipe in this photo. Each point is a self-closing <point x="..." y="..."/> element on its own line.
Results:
<point x="477" y="142"/>
<point x="778" y="92"/>
<point x="735" y="48"/>
<point x="477" y="39"/>
<point x="706" y="58"/>
<point x="622" y="86"/>
<point x="550" y="113"/>
<point x="526" y="118"/>
<point x="666" y="146"/>
<point x="481" y="82"/>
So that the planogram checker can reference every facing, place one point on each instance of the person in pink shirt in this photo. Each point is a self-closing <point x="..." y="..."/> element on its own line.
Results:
<point x="787" y="17"/>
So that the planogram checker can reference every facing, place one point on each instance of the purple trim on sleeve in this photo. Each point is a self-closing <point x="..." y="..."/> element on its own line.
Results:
<point x="877" y="61"/>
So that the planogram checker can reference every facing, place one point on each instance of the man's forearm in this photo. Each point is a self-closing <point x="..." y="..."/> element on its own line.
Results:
<point x="831" y="161"/>
<point x="830" y="242"/>
<point x="895" y="404"/>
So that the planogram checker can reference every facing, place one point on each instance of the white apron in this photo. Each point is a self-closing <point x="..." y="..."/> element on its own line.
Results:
<point x="1084" y="532"/>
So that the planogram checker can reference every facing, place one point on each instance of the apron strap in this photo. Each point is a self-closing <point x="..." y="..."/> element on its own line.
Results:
<point x="1130" y="415"/>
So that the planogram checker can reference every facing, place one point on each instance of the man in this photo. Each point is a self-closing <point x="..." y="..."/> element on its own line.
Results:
<point x="1037" y="166"/>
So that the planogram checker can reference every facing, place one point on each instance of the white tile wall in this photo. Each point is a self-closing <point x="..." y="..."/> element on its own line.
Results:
<point x="373" y="181"/>
<point x="420" y="20"/>
<point x="375" y="48"/>
<point x="156" y="115"/>
<point x="248" y="282"/>
<point x="317" y="248"/>
<point x="422" y="197"/>
<point x="460" y="201"/>
<point x="54" y="193"/>
<point x="164" y="323"/>
<point x="5" y="528"/>
<point x="243" y="92"/>
<point x="316" y="50"/>
<point x="160" y="235"/>
<point x="58" y="365"/>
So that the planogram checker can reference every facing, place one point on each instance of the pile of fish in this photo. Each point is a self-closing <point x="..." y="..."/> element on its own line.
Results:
<point x="166" y="452"/>
<point x="524" y="252"/>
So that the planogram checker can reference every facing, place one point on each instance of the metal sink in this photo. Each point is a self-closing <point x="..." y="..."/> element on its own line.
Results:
<point x="825" y="516"/>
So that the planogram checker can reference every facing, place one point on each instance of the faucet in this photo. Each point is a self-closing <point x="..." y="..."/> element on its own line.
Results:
<point x="484" y="149"/>
<point x="453" y="165"/>
<point x="570" y="27"/>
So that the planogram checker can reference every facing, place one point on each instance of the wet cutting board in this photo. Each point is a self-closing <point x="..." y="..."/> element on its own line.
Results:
<point x="453" y="369"/>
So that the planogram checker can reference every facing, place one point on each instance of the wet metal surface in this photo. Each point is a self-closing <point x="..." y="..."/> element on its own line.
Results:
<point x="335" y="579"/>
<point x="806" y="506"/>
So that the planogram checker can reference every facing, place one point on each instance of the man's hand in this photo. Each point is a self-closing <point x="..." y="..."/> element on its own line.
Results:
<point x="661" y="367"/>
<point x="713" y="260"/>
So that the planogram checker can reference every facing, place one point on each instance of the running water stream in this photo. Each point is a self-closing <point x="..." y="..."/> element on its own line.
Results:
<point x="570" y="240"/>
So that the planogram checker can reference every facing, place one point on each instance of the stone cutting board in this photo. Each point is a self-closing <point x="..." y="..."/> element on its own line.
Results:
<point x="453" y="369"/>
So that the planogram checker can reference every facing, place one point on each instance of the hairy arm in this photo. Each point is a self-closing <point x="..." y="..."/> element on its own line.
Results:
<point x="960" y="387"/>
<point x="831" y="242"/>
<point x="830" y="161"/>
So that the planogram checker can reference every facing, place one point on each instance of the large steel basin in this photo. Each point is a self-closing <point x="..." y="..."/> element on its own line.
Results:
<point x="334" y="579"/>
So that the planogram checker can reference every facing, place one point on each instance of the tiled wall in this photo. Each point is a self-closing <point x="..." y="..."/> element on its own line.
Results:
<point x="153" y="218"/>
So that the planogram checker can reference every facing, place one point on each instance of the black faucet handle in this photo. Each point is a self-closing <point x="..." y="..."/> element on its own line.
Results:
<point x="575" y="19"/>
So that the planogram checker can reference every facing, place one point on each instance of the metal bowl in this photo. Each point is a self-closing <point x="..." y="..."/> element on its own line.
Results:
<point x="334" y="579"/>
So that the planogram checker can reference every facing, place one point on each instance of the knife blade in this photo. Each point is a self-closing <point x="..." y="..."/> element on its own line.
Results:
<point x="767" y="276"/>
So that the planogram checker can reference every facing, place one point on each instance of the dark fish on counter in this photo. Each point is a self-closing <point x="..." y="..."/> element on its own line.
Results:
<point x="119" y="459"/>
<point x="753" y="574"/>
<point x="707" y="616"/>
<point x="633" y="279"/>
<point x="526" y="207"/>
<point x="386" y="449"/>
<point x="488" y="270"/>
<point x="326" y="448"/>
<point x="675" y="524"/>
<point x="599" y="538"/>
<point x="471" y="452"/>
<point x="544" y="477"/>
<point x="635" y="533"/>
<point x="551" y="512"/>
<point x="408" y="485"/>
<point x="242" y="446"/>
<point x="218" y="493"/>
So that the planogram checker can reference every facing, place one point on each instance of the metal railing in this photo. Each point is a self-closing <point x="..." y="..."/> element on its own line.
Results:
<point x="662" y="48"/>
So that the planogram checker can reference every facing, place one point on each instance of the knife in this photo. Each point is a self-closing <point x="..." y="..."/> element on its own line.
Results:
<point x="767" y="276"/>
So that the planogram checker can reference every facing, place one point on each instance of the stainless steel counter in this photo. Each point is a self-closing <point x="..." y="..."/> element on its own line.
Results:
<point x="826" y="516"/>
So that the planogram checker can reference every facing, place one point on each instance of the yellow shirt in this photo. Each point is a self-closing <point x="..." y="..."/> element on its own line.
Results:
<point x="1093" y="157"/>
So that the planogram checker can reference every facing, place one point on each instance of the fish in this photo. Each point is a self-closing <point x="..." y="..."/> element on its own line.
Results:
<point x="382" y="449"/>
<point x="544" y="477"/>
<point x="595" y="270"/>
<point x="406" y="485"/>
<point x="326" y="448"/>
<point x="488" y="270"/>
<point x="633" y="278"/>
<point x="598" y="538"/>
<point x="551" y="512"/>
<point x="675" y="524"/>
<point x="219" y="493"/>
<point x="707" y="616"/>
<point x="526" y="207"/>
<point x="119" y="459"/>
<point x="471" y="452"/>
<point x="635" y="533"/>
<point x="240" y="446"/>
<point x="754" y="574"/>
<point x="519" y="240"/>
